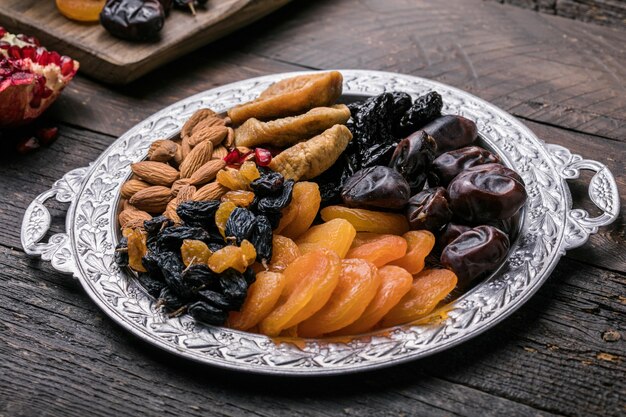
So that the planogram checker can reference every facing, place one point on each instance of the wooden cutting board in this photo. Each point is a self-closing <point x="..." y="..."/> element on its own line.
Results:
<point x="117" y="61"/>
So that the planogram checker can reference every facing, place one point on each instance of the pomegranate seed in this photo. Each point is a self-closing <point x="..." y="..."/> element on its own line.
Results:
<point x="54" y="58"/>
<point x="41" y="56"/>
<point x="5" y="72"/>
<point x="233" y="157"/>
<point x="15" y="52"/>
<point x="22" y="78"/>
<point x="67" y="65"/>
<point x="263" y="157"/>
<point x="28" y="52"/>
<point x="47" y="135"/>
<point x="3" y="31"/>
<point x="28" y="144"/>
<point x="4" y="45"/>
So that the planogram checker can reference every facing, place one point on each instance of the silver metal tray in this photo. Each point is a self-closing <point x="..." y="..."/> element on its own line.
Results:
<point x="549" y="226"/>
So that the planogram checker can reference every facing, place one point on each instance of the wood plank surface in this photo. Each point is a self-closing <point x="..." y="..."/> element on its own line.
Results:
<point x="119" y="61"/>
<point x="563" y="353"/>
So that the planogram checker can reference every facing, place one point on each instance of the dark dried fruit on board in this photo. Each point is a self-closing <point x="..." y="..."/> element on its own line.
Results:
<point x="376" y="187"/>
<point x="429" y="210"/>
<point x="135" y="20"/>
<point x="425" y="109"/>
<point x="452" y="132"/>
<point x="412" y="158"/>
<point x="450" y="164"/>
<point x="31" y="78"/>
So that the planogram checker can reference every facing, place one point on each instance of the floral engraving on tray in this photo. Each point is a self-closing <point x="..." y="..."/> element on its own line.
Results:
<point x="533" y="255"/>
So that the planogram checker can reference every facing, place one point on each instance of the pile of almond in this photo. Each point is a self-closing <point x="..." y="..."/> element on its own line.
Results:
<point x="178" y="170"/>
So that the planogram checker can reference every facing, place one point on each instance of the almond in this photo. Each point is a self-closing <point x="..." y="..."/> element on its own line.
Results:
<point x="155" y="173"/>
<point x="214" y="134"/>
<point x="185" y="194"/>
<point x="196" y="158"/>
<point x="178" y="184"/>
<point x="207" y="172"/>
<point x="229" y="142"/>
<point x="130" y="187"/>
<point x="211" y="191"/>
<point x="170" y="212"/>
<point x="136" y="217"/>
<point x="162" y="150"/>
<point x="152" y="199"/>
<point x="219" y="152"/>
<point x="195" y="118"/>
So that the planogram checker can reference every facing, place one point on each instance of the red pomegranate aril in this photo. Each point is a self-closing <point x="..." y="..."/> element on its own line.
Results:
<point x="4" y="45"/>
<point x="67" y="65"/>
<point x="232" y="157"/>
<point x="21" y="78"/>
<point x="28" y="52"/>
<point x="54" y="58"/>
<point x="47" y="135"/>
<point x="3" y="31"/>
<point x="15" y="52"/>
<point x="41" y="56"/>
<point x="263" y="157"/>
<point x="27" y="145"/>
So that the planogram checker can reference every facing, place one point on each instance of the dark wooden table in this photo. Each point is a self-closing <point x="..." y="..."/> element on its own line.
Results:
<point x="562" y="353"/>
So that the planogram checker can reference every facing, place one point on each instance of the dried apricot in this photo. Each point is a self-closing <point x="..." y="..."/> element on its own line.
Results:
<point x="262" y="296"/>
<point x="358" y="284"/>
<point x="395" y="283"/>
<point x="136" y="249"/>
<point x="368" y="220"/>
<point x="420" y="243"/>
<point x="381" y="250"/>
<point x="240" y="198"/>
<point x="429" y="287"/>
<point x="364" y="237"/>
<point x="335" y="235"/>
<point x="228" y="257"/>
<point x="222" y="214"/>
<point x="194" y="252"/>
<point x="284" y="252"/>
<point x="306" y="201"/>
<point x="309" y="282"/>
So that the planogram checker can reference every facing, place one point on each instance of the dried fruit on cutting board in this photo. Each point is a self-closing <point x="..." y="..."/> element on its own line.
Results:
<point x="300" y="213"/>
<point x="368" y="220"/>
<point x="309" y="159"/>
<point x="31" y="78"/>
<point x="291" y="96"/>
<point x="419" y="245"/>
<point x="380" y="250"/>
<point x="335" y="235"/>
<point x="290" y="130"/>
<point x="262" y="296"/>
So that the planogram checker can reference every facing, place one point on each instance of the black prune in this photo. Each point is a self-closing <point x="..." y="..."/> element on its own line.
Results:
<point x="412" y="158"/>
<point x="451" y="132"/>
<point x="198" y="276"/>
<point x="274" y="204"/>
<point x="425" y="109"/>
<point x="475" y="253"/>
<point x="171" y="300"/>
<point x="172" y="269"/>
<point x="233" y="285"/>
<point x="218" y="300"/>
<point x="450" y="164"/>
<point x="376" y="186"/>
<point x="198" y="213"/>
<point x="486" y="192"/>
<point x="136" y="20"/>
<point x="156" y="224"/>
<point x="261" y="238"/>
<point x="402" y="102"/>
<point x="151" y="263"/>
<point x="269" y="183"/>
<point x="429" y="210"/>
<point x="149" y="283"/>
<point x="240" y="224"/>
<point x="121" y="252"/>
<point x="172" y="237"/>
<point x="206" y="313"/>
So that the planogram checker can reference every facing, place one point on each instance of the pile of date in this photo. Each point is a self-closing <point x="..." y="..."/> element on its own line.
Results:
<point x="321" y="239"/>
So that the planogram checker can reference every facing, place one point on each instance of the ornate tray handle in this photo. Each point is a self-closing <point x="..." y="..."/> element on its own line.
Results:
<point x="602" y="191"/>
<point x="37" y="220"/>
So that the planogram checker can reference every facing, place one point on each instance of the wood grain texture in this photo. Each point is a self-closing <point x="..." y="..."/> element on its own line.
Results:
<point x="556" y="356"/>
<point x="118" y="61"/>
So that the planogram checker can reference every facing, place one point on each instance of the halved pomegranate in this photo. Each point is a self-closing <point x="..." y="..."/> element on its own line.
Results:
<point x="31" y="78"/>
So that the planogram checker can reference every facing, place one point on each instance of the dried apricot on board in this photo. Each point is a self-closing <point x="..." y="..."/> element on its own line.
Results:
<point x="305" y="201"/>
<point x="309" y="282"/>
<point x="381" y="250"/>
<point x="284" y="252"/>
<point x="291" y="96"/>
<point x="420" y="243"/>
<point x="364" y="237"/>
<point x="358" y="284"/>
<point x="335" y="235"/>
<point x="368" y="220"/>
<point x="429" y="287"/>
<point x="136" y="249"/>
<point x="194" y="252"/>
<point x="262" y="296"/>
<point x="395" y="283"/>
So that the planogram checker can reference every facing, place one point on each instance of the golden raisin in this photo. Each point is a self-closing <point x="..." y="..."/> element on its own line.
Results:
<point x="231" y="179"/>
<point x="194" y="252"/>
<point x="249" y="171"/>
<point x="249" y="252"/>
<point x="240" y="198"/>
<point x="136" y="249"/>
<point x="228" y="257"/>
<point x="221" y="216"/>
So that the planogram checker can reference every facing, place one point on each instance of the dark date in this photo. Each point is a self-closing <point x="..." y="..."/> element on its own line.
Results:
<point x="451" y="132"/>
<point x="136" y="20"/>
<point x="378" y="187"/>
<point x="412" y="158"/>
<point x="475" y="253"/>
<point x="429" y="210"/>
<point x="486" y="192"/>
<point x="450" y="164"/>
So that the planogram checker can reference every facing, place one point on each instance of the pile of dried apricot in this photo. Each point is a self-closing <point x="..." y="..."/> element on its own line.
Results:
<point x="329" y="231"/>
